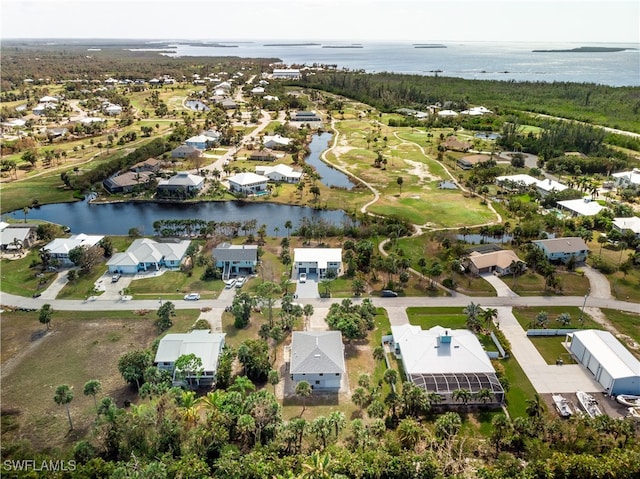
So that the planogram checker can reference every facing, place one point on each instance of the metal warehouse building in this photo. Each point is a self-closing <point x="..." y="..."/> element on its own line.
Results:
<point x="613" y="366"/>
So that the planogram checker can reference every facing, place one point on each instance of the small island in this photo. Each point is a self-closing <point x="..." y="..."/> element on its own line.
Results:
<point x="355" y="45"/>
<point x="429" y="45"/>
<point x="586" y="50"/>
<point x="291" y="44"/>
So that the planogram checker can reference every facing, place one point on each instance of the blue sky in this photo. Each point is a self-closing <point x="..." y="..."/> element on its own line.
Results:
<point x="580" y="21"/>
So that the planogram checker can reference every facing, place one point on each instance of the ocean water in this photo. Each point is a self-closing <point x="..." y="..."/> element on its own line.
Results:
<point x="477" y="60"/>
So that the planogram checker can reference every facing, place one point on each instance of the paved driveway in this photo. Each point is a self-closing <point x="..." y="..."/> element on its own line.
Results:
<point x="308" y="289"/>
<point x="500" y="286"/>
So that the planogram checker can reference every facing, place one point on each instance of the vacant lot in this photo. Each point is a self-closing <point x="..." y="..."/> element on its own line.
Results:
<point x="80" y="347"/>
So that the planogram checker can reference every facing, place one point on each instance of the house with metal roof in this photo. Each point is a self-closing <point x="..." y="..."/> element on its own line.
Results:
<point x="145" y="254"/>
<point x="200" y="142"/>
<point x="14" y="237"/>
<point x="279" y="173"/>
<point x="318" y="358"/>
<point x="127" y="182"/>
<point x="185" y="151"/>
<point x="59" y="248"/>
<point x="562" y="249"/>
<point x="613" y="365"/>
<point x="317" y="261"/>
<point x="548" y="185"/>
<point x="182" y="185"/>
<point x="248" y="183"/>
<point x="441" y="360"/>
<point x="202" y="343"/>
<point x="581" y="207"/>
<point x="236" y="259"/>
<point x="627" y="178"/>
<point x="624" y="225"/>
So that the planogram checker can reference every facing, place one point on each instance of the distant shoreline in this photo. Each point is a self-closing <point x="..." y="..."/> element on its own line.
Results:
<point x="429" y="45"/>
<point x="586" y="50"/>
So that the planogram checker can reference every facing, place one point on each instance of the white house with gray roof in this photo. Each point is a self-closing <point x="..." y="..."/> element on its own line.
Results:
<point x="563" y="249"/>
<point x="182" y="185"/>
<point x="202" y="343"/>
<point x="147" y="255"/>
<point x="279" y="173"/>
<point x="59" y="248"/>
<point x="236" y="259"/>
<point x="248" y="183"/>
<point x="317" y="261"/>
<point x="318" y="358"/>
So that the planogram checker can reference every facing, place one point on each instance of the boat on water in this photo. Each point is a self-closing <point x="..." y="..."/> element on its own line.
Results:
<point x="634" y="412"/>
<point x="628" y="400"/>
<point x="562" y="405"/>
<point x="588" y="403"/>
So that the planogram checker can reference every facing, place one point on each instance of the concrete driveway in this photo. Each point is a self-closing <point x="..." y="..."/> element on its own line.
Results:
<point x="308" y="289"/>
<point x="500" y="286"/>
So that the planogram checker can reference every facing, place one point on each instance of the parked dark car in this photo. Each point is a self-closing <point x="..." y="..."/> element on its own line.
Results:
<point x="387" y="293"/>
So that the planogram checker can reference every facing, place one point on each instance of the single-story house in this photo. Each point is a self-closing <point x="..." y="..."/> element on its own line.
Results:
<point x="305" y="116"/>
<point x="59" y="248"/>
<point x="183" y="183"/>
<point x="257" y="91"/>
<point x="146" y="254"/>
<point x="111" y="109"/>
<point x="442" y="361"/>
<point x="49" y="99"/>
<point x="236" y="259"/>
<point x="248" y="183"/>
<point x="286" y="73"/>
<point x="212" y="135"/>
<point x="452" y="143"/>
<point x="627" y="178"/>
<point x="227" y="104"/>
<point x="447" y="113"/>
<point x="516" y="182"/>
<point x="279" y="173"/>
<point x="318" y="358"/>
<point x="612" y="365"/>
<point x="631" y="224"/>
<point x="17" y="236"/>
<point x="262" y="155"/>
<point x="202" y="343"/>
<point x="468" y="162"/>
<point x="317" y="261"/>
<point x="276" y="142"/>
<point x="200" y="142"/>
<point x="41" y="108"/>
<point x="581" y="207"/>
<point x="150" y="164"/>
<point x="562" y="249"/>
<point x="548" y="185"/>
<point x="496" y="262"/>
<point x="186" y="151"/>
<point x="476" y="110"/>
<point x="126" y="182"/>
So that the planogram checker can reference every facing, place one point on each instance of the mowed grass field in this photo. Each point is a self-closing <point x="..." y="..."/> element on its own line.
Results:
<point x="80" y="347"/>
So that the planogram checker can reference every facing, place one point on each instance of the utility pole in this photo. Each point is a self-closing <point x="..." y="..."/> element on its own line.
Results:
<point x="583" y="305"/>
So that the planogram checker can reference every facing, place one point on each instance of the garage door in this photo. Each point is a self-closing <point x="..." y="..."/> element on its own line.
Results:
<point x="302" y="270"/>
<point x="313" y="270"/>
<point x="592" y="365"/>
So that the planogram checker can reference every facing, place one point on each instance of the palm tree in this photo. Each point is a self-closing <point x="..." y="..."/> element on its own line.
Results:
<point x="391" y="377"/>
<point x="409" y="433"/>
<point x="318" y="467"/>
<point x="243" y="385"/>
<point x="46" y="312"/>
<point x="516" y="268"/>
<point x="303" y="389"/>
<point x="288" y="225"/>
<point x="274" y="379"/>
<point x="321" y="427"/>
<point x="92" y="388"/>
<point x="488" y="315"/>
<point x="472" y="311"/>
<point x="337" y="421"/>
<point x="483" y="395"/>
<point x="63" y="396"/>
<point x="534" y="407"/>
<point x="462" y="395"/>
<point x="602" y="239"/>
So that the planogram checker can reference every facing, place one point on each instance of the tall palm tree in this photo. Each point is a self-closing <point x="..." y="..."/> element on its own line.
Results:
<point x="243" y="385"/>
<point x="92" y="388"/>
<point x="462" y="395"/>
<point x="63" y="396"/>
<point x="318" y="467"/>
<point x="303" y="389"/>
<point x="488" y="315"/>
<point x="337" y="421"/>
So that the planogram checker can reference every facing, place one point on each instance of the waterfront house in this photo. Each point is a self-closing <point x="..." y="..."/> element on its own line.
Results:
<point x="279" y="173"/>
<point x="236" y="260"/>
<point x="182" y="185"/>
<point x="317" y="261"/>
<point x="148" y="255"/>
<point x="581" y="207"/>
<point x="248" y="183"/>
<point x="186" y="151"/>
<point x="496" y="262"/>
<point x="127" y="182"/>
<point x="59" y="248"/>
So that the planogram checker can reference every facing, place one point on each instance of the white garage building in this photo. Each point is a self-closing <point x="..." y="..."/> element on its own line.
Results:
<point x="613" y="366"/>
<point x="317" y="261"/>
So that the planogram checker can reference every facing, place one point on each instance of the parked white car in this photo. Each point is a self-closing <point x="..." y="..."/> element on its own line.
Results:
<point x="240" y="282"/>
<point x="192" y="297"/>
<point x="303" y="277"/>
<point x="230" y="283"/>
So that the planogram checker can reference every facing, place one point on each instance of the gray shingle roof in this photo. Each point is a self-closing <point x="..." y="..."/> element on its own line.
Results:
<point x="314" y="352"/>
<point x="229" y="252"/>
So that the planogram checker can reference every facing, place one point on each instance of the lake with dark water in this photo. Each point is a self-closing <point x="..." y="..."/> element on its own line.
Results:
<point x="328" y="176"/>
<point x="119" y="218"/>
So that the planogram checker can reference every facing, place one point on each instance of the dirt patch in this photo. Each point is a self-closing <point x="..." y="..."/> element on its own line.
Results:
<point x="600" y="318"/>
<point x="421" y="171"/>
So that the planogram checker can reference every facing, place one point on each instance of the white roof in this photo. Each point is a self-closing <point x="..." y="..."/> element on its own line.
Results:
<point x="148" y="251"/>
<point x="423" y="352"/>
<point x="201" y="342"/>
<point x="609" y="352"/>
<point x="14" y="123"/>
<point x="632" y="176"/>
<point x="277" y="139"/>
<point x="64" y="245"/>
<point x="526" y="179"/>
<point x="9" y="234"/>
<point x="47" y="99"/>
<point x="447" y="113"/>
<point x="582" y="206"/>
<point x="551" y="185"/>
<point x="182" y="179"/>
<point x="198" y="139"/>
<point x="632" y="223"/>
<point x="322" y="256"/>
<point x="284" y="170"/>
<point x="245" y="179"/>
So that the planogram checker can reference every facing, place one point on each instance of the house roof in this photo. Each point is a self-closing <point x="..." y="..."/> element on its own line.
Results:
<point x="182" y="179"/>
<point x="128" y="179"/>
<point x="502" y="258"/>
<point x="144" y="250"/>
<point x="185" y="149"/>
<point x="632" y="176"/>
<point x="609" y="352"/>
<point x="322" y="256"/>
<point x="524" y="179"/>
<point x="314" y="352"/>
<point x="64" y="245"/>
<point x="426" y="352"/>
<point x="201" y="342"/>
<point x="582" y="206"/>
<point x="551" y="185"/>
<point x="231" y="252"/>
<point x="246" y="179"/>
<point x="571" y="244"/>
<point x="276" y="140"/>
<point x="284" y="170"/>
<point x="632" y="223"/>
<point x="9" y="234"/>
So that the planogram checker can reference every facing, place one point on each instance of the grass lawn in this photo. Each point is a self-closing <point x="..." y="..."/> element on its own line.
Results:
<point x="520" y="389"/>
<point x="82" y="286"/>
<point x="551" y="349"/>
<point x="33" y="366"/>
<point x="532" y="284"/>
<point x="626" y="323"/>
<point x="527" y="316"/>
<point x="175" y="284"/>
<point x="447" y="317"/>
<point x="18" y="278"/>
